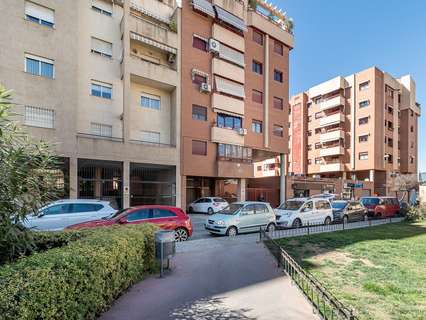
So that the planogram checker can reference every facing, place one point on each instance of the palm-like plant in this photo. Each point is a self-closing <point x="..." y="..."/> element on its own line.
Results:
<point x="27" y="181"/>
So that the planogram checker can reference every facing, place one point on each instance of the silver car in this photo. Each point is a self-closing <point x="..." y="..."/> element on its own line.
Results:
<point x="63" y="213"/>
<point x="241" y="217"/>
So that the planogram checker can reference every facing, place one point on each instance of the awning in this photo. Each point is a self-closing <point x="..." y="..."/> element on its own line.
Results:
<point x="141" y="9"/>
<point x="229" y="18"/>
<point x="229" y="113"/>
<point x="229" y="87"/>
<point x="204" y="6"/>
<point x="152" y="43"/>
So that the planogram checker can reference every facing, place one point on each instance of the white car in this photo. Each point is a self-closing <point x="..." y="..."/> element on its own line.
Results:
<point x="298" y="212"/>
<point x="63" y="213"/>
<point x="208" y="205"/>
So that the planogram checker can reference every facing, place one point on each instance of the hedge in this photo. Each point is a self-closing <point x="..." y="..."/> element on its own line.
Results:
<point x="80" y="279"/>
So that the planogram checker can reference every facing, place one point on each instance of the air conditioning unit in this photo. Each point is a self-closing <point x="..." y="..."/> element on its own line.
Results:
<point x="214" y="45"/>
<point x="242" y="131"/>
<point x="171" y="58"/>
<point x="205" y="87"/>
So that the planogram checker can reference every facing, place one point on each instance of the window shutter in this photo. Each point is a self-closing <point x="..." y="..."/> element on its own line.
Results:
<point x="103" y="5"/>
<point x="39" y="12"/>
<point x="102" y="46"/>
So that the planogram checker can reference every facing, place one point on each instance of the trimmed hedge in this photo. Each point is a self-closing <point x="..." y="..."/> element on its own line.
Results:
<point x="80" y="279"/>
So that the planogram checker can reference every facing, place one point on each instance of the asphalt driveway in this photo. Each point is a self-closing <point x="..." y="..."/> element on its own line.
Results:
<point x="216" y="278"/>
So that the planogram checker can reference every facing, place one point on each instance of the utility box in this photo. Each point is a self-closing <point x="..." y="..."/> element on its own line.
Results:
<point x="165" y="248"/>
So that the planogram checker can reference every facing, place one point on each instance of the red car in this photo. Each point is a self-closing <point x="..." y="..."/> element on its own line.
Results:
<point x="381" y="206"/>
<point x="166" y="217"/>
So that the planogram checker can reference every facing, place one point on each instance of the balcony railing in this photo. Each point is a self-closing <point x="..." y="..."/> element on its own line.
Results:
<point x="332" y="103"/>
<point x="331" y="167"/>
<point x="227" y="136"/>
<point x="332" y="135"/>
<point x="332" y="119"/>
<point x="333" y="151"/>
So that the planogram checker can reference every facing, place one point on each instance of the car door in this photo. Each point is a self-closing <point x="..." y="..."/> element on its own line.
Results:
<point x="320" y="212"/>
<point x="307" y="213"/>
<point x="247" y="218"/>
<point x="262" y="215"/>
<point x="53" y="218"/>
<point x="165" y="219"/>
<point x="139" y="216"/>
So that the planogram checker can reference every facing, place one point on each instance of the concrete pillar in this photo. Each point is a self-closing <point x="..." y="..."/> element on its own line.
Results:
<point x="266" y="79"/>
<point x="241" y="190"/>
<point x="73" y="178"/>
<point x="98" y="183"/>
<point x="181" y="191"/>
<point x="126" y="184"/>
<point x="127" y="97"/>
<point x="283" y="178"/>
<point x="371" y="175"/>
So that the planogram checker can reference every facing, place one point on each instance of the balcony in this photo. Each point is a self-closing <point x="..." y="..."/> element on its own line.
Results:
<point x="332" y="119"/>
<point x="228" y="136"/>
<point x="333" y="151"/>
<point x="153" y="31"/>
<point x="332" y="103"/>
<point x="234" y="7"/>
<point x="231" y="169"/>
<point x="154" y="72"/>
<point x="228" y="37"/>
<point x="227" y="70"/>
<point x="332" y="167"/>
<point x="227" y="103"/>
<point x="332" y="136"/>
<point x="327" y="87"/>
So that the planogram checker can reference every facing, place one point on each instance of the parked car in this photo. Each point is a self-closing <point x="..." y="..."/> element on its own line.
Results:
<point x="62" y="213"/>
<point x="347" y="211"/>
<point x="328" y="196"/>
<point x="299" y="212"/>
<point x="208" y="205"/>
<point x="166" y="217"/>
<point x="241" y="217"/>
<point x="381" y="206"/>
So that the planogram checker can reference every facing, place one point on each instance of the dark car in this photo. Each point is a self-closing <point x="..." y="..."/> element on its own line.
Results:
<point x="166" y="217"/>
<point x="347" y="211"/>
<point x="381" y="206"/>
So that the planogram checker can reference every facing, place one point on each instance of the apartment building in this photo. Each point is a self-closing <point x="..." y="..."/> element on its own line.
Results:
<point x="100" y="80"/>
<point x="362" y="127"/>
<point x="150" y="101"/>
<point x="235" y="78"/>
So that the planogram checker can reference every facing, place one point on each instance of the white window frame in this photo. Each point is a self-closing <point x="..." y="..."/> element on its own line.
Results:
<point x="150" y="97"/>
<point x="45" y="118"/>
<point x="102" y="127"/>
<point x="98" y="6"/>
<point x="362" y="136"/>
<point x="367" y="104"/>
<point x="39" y="59"/>
<point x="363" y="155"/>
<point x="364" y="85"/>
<point x="102" y="85"/>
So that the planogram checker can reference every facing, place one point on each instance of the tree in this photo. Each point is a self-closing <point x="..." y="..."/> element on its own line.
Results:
<point x="27" y="181"/>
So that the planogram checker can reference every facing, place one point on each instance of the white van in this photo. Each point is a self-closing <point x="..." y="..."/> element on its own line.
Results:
<point x="298" y="212"/>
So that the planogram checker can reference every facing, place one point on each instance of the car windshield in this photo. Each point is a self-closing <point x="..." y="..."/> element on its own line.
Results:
<point x="338" y="205"/>
<point x="291" y="205"/>
<point x="115" y="214"/>
<point x="231" y="209"/>
<point x="370" y="201"/>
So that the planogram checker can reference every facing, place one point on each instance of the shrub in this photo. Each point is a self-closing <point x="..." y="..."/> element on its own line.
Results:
<point x="78" y="280"/>
<point x="416" y="214"/>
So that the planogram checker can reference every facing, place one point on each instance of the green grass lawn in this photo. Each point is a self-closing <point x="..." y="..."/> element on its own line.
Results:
<point x="378" y="271"/>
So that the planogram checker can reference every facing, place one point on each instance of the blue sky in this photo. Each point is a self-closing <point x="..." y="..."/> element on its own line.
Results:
<point x="335" y="37"/>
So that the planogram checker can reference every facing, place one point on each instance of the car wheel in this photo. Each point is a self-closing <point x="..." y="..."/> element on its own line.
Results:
<point x="232" y="232"/>
<point x="271" y="227"/>
<point x="210" y="211"/>
<point x="297" y="223"/>
<point x="345" y="219"/>
<point x="191" y="210"/>
<point x="181" y="234"/>
<point x="327" y="221"/>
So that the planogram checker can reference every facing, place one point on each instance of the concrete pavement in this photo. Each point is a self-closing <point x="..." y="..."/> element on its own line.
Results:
<point x="216" y="278"/>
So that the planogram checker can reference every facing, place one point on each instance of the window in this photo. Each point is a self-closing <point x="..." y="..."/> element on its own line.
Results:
<point x="322" y="204"/>
<point x="85" y="207"/>
<point x="308" y="206"/>
<point x="390" y="142"/>
<point x="39" y="66"/>
<point x="318" y="160"/>
<point x="39" y="14"/>
<point x="257" y="67"/>
<point x="199" y="43"/>
<point x="309" y="133"/>
<point x="363" y="156"/>
<point x="101" y="47"/>
<point x="363" y="121"/>
<point x="390" y="109"/>
<point x="309" y="104"/>
<point x="259" y="168"/>
<point x="309" y="118"/>
<point x="258" y="37"/>
<point x="278" y="76"/>
<point x="309" y="161"/>
<point x="150" y="101"/>
<point x="139" y="215"/>
<point x="278" y="130"/>
<point x="256" y="126"/>
<point x="411" y="129"/>
<point x="363" y="138"/>
<point x="103" y="90"/>
<point x="100" y="129"/>
<point x="227" y="121"/>
<point x="278" y="48"/>
<point x="248" y="209"/>
<point x="150" y="136"/>
<point x="411" y="159"/>
<point x="199" y="113"/>
<point x="234" y="153"/>
<point x="389" y="158"/>
<point x="39" y="117"/>
<point x="58" y="209"/>
<point x="257" y="96"/>
<point x="309" y="147"/>
<point x="364" y="85"/>
<point x="260" y="208"/>
<point x="389" y="91"/>
<point x="279" y="104"/>
<point x="199" y="147"/>
<point x="317" y="130"/>
<point x="162" y="213"/>
<point x="102" y="7"/>
<point x="364" y="103"/>
<point x="198" y="79"/>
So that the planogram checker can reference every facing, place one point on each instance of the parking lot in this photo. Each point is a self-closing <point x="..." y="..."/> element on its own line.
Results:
<point x="198" y="220"/>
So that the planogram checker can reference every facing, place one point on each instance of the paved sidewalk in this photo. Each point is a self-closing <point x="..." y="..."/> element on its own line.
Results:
<point x="216" y="279"/>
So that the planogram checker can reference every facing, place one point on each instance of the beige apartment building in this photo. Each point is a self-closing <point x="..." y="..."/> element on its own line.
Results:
<point x="362" y="127"/>
<point x="150" y="101"/>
